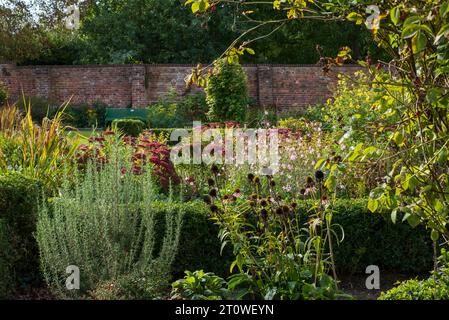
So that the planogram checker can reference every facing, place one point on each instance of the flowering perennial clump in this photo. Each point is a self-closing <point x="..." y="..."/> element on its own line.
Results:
<point x="145" y="153"/>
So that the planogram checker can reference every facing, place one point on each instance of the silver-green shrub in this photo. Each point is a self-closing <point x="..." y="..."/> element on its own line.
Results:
<point x="103" y="222"/>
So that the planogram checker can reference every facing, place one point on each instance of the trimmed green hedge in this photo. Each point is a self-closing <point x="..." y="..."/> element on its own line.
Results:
<point x="370" y="239"/>
<point x="18" y="211"/>
<point x="373" y="239"/>
<point x="130" y="127"/>
<point x="199" y="246"/>
<point x="5" y="272"/>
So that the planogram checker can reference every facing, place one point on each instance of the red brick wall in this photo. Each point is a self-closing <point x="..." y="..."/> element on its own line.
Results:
<point x="283" y="86"/>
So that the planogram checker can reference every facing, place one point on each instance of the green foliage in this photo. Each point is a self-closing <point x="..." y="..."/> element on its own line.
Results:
<point x="163" y="32"/>
<point x="414" y="180"/>
<point x="177" y="112"/>
<point x="369" y="240"/>
<point x="84" y="116"/>
<point x="163" y="113"/>
<point x="277" y="255"/>
<point x="355" y="110"/>
<point x="103" y="222"/>
<point x="129" y="127"/>
<point x="40" y="108"/>
<point x="199" y="244"/>
<point x="6" y="283"/>
<point x="417" y="180"/>
<point x="131" y="287"/>
<point x="436" y="287"/>
<point x="226" y="92"/>
<point x="192" y="107"/>
<point x="76" y="116"/>
<point x="19" y="196"/>
<point x="199" y="285"/>
<point x="20" y="38"/>
<point x="3" y="95"/>
<point x="258" y="117"/>
<point x="38" y="151"/>
<point x="372" y="239"/>
<point x="416" y="290"/>
<point x="299" y="125"/>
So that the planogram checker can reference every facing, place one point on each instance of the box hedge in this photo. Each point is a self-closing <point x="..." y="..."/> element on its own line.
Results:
<point x="5" y="272"/>
<point x="373" y="239"/>
<point x="370" y="239"/>
<point x="18" y="211"/>
<point x="199" y="246"/>
<point x="130" y="127"/>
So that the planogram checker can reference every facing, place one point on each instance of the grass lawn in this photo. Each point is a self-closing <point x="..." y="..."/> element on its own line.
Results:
<point x="82" y="134"/>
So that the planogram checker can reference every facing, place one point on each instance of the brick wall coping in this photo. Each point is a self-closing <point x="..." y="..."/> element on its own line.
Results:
<point x="174" y="65"/>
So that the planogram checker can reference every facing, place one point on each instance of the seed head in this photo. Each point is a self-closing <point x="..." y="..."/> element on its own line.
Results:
<point x="319" y="175"/>
<point x="207" y="199"/>
<point x="211" y="182"/>
<point x="213" y="192"/>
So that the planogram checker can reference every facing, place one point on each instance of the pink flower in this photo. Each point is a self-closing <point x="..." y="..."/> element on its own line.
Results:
<point x="83" y="147"/>
<point x="155" y="159"/>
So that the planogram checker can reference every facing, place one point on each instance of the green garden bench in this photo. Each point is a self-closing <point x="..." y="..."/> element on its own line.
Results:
<point x="125" y="113"/>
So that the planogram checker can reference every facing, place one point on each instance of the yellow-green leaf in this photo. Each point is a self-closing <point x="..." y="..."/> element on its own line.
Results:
<point x="395" y="14"/>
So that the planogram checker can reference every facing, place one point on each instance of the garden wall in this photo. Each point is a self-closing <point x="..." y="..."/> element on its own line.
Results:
<point x="282" y="86"/>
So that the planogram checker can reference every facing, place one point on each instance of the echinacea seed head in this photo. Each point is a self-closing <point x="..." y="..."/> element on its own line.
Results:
<point x="207" y="199"/>
<point x="215" y="169"/>
<point x="213" y="192"/>
<point x="319" y="175"/>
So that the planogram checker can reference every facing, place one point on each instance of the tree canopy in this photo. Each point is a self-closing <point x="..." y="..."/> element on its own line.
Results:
<point x="160" y="31"/>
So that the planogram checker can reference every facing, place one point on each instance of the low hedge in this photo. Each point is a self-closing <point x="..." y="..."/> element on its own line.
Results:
<point x="199" y="246"/>
<point x="5" y="272"/>
<point x="18" y="211"/>
<point x="373" y="239"/>
<point x="370" y="239"/>
<point x="130" y="127"/>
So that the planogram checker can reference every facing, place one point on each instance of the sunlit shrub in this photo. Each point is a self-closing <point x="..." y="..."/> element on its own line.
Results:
<point x="39" y="150"/>
<point x="436" y="287"/>
<point x="226" y="92"/>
